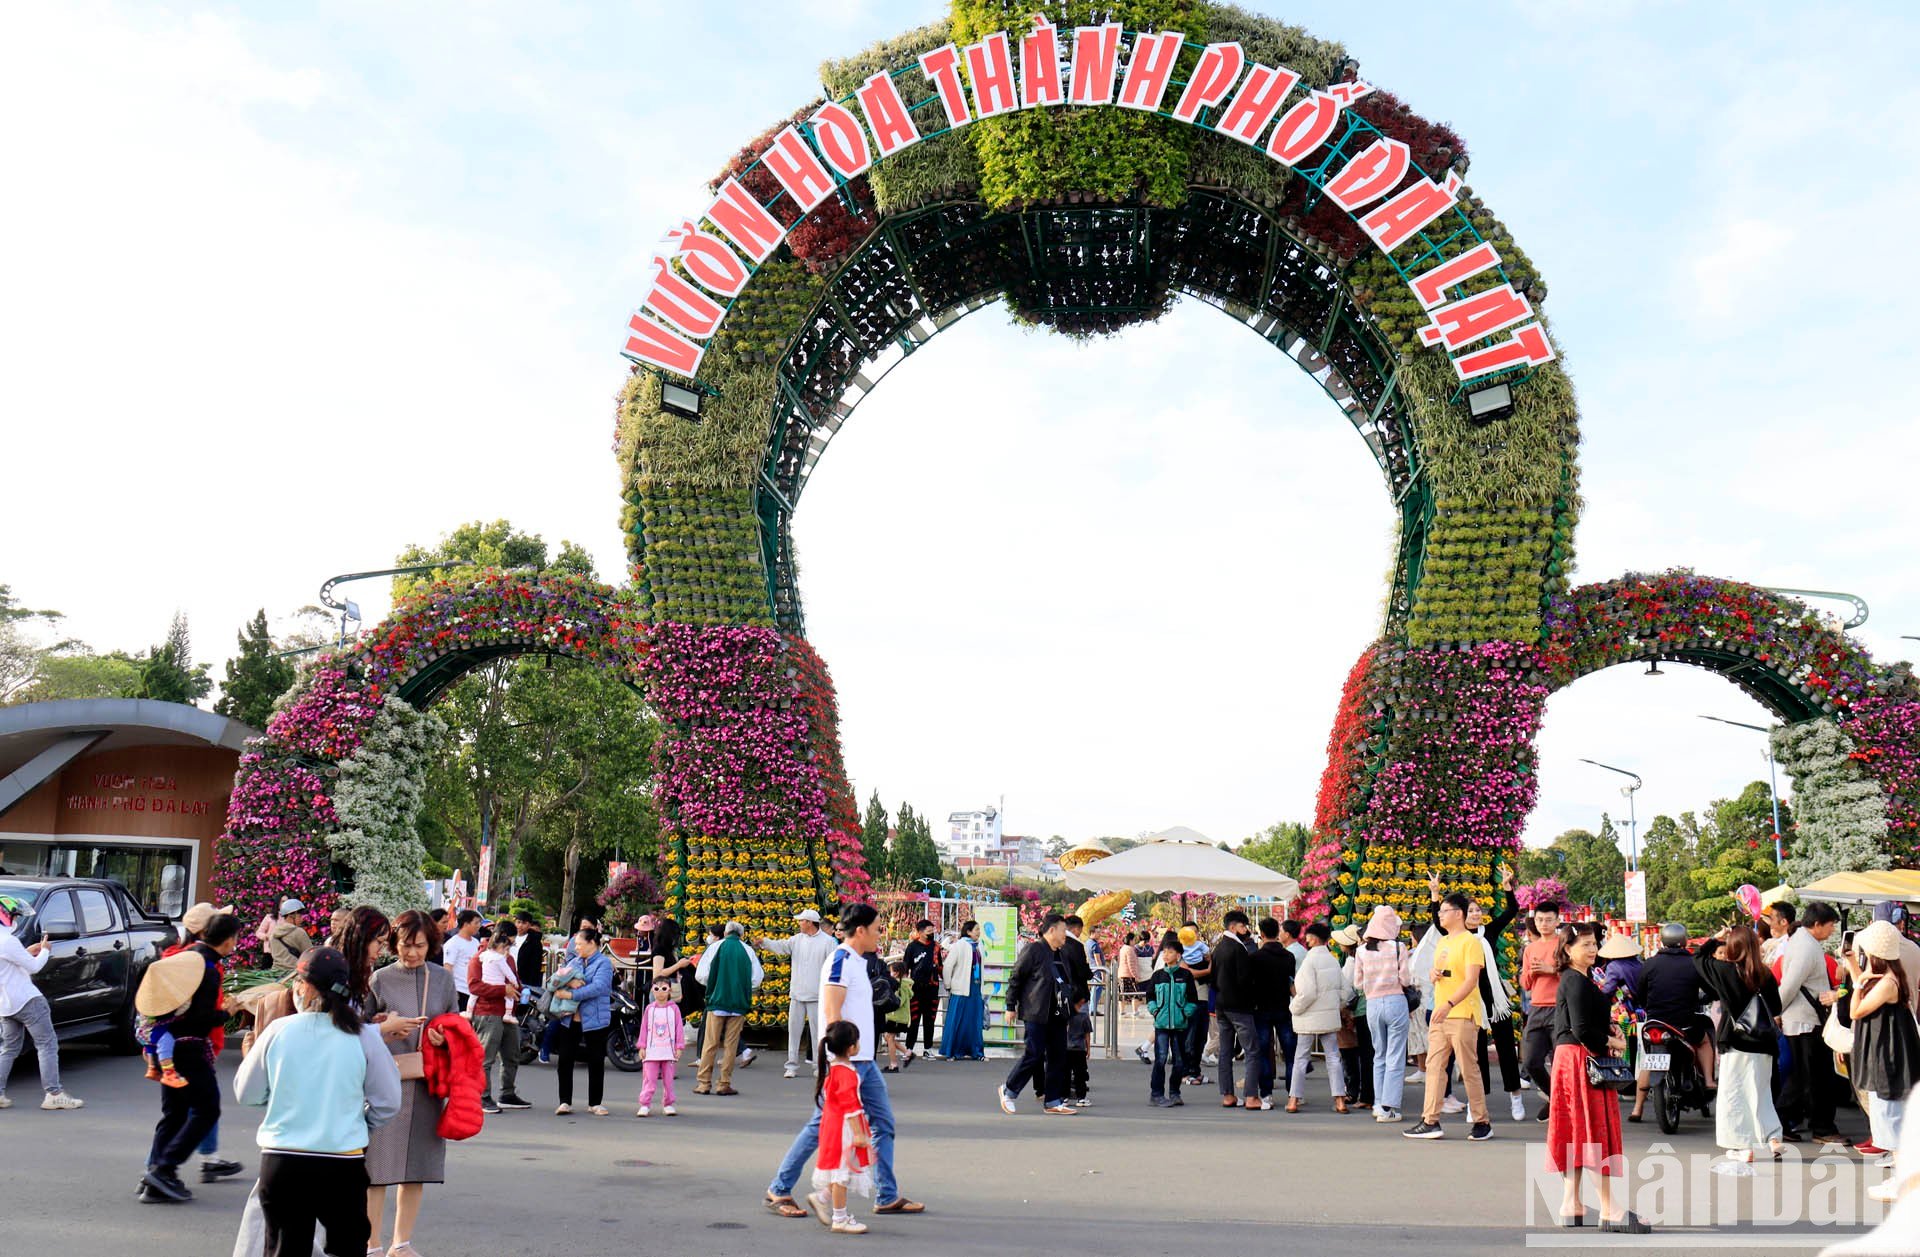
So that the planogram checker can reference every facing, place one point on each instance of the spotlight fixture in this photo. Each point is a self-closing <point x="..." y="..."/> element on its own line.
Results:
<point x="680" y="399"/>
<point x="1488" y="404"/>
<point x="1653" y="668"/>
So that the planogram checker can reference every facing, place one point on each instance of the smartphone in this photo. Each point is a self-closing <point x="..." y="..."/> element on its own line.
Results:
<point x="1846" y="941"/>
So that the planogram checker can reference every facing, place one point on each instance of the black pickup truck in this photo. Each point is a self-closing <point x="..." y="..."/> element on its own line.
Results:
<point x="101" y="944"/>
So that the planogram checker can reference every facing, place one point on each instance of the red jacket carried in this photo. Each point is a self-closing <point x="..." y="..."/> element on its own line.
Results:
<point x="454" y="1075"/>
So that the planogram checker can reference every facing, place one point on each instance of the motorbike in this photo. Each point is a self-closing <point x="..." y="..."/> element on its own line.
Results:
<point x="1674" y="1081"/>
<point x="533" y="1024"/>
<point x="623" y="1033"/>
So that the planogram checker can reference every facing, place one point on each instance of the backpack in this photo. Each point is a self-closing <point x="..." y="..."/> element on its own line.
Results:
<point x="886" y="995"/>
<point x="1170" y="1006"/>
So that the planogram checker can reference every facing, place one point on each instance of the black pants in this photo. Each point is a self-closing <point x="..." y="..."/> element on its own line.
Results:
<point x="1076" y="1073"/>
<point x="1357" y="1063"/>
<point x="1236" y="1033"/>
<point x="1197" y="1031"/>
<point x="299" y="1194"/>
<point x="1043" y="1061"/>
<point x="924" y="1007"/>
<point x="589" y="1046"/>
<point x="1501" y="1032"/>
<point x="1807" y="1092"/>
<point x="1538" y="1047"/>
<point x="186" y="1113"/>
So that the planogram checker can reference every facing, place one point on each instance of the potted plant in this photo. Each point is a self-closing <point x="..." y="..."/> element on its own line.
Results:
<point x="622" y="903"/>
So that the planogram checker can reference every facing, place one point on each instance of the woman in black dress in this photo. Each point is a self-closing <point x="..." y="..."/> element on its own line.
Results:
<point x="1583" y="1121"/>
<point x="1885" y="1061"/>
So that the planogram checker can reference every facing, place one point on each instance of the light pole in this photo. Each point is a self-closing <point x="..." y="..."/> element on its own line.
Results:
<point x="1773" y="779"/>
<point x="1633" y="822"/>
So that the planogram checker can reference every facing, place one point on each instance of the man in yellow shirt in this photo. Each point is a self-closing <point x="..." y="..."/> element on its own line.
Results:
<point x="1454" y="1030"/>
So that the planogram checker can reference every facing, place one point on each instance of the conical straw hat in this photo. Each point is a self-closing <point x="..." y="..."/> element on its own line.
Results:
<point x="169" y="984"/>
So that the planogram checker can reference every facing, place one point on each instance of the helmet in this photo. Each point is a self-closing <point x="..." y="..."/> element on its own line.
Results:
<point x="1673" y="934"/>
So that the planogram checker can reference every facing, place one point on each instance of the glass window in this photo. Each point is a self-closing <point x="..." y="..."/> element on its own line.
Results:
<point x="96" y="912"/>
<point x="56" y="913"/>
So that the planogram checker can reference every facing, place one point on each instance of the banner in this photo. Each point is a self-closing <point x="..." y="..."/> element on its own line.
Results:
<point x="1637" y="896"/>
<point x="999" y="933"/>
<point x="484" y="876"/>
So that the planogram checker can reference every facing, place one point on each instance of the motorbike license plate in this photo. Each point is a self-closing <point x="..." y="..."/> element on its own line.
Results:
<point x="1656" y="1061"/>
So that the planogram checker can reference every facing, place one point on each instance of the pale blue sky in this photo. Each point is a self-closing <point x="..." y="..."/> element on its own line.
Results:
<point x="286" y="292"/>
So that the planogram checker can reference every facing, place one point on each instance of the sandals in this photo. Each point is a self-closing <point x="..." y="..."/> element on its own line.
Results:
<point x="1294" y="1104"/>
<point x="1628" y="1223"/>
<point x="900" y="1204"/>
<point x="783" y="1206"/>
<point x="1339" y="1104"/>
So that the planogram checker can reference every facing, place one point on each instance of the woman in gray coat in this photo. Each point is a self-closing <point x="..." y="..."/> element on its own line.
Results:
<point x="408" y="1152"/>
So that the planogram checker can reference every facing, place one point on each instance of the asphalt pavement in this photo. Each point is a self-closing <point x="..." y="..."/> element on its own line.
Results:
<point x="1120" y="1177"/>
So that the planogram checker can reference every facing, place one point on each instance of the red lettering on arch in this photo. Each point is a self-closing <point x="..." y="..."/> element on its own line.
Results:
<point x="990" y="66"/>
<point x="1303" y="128"/>
<point x="1430" y="289"/>
<point x="745" y="221"/>
<point x="1374" y="172"/>
<point x="1528" y="346"/>
<point x="1254" y="105"/>
<point x="842" y="141"/>
<point x="1096" y="58"/>
<point x="887" y="115"/>
<point x="682" y="306"/>
<point x="1408" y="212"/>
<point x="797" y="169"/>
<point x="660" y="346"/>
<point x="1460" y="323"/>
<point x="1040" y="66"/>
<point x="713" y="265"/>
<point x="1150" y="69"/>
<point x="942" y="68"/>
<point x="1212" y="79"/>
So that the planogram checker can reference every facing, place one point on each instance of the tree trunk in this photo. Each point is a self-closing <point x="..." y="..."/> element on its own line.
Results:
<point x="569" y="879"/>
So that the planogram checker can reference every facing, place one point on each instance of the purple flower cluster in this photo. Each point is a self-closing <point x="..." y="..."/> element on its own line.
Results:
<point x="1886" y="735"/>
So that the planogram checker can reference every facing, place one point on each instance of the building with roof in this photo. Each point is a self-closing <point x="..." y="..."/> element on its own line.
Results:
<point x="124" y="788"/>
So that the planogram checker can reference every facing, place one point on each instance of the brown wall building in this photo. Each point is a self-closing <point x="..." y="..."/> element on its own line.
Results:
<point x="128" y="789"/>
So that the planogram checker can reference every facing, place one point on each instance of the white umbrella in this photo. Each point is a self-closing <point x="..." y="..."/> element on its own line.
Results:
<point x="1175" y="866"/>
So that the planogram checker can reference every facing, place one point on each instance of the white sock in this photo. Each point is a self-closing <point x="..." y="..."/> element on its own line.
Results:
<point x="843" y="1215"/>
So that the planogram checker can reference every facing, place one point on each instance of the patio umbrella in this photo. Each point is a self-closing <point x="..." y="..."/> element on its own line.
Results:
<point x="1182" y="866"/>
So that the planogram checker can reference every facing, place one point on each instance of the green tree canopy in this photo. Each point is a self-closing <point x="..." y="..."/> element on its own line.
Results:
<point x="256" y="677"/>
<point x="1281" y="846"/>
<point x="168" y="674"/>
<point x="873" y="837"/>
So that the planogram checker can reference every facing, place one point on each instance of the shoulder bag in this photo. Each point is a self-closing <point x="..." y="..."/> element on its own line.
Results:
<point x="1609" y="1073"/>
<point x="1411" y="992"/>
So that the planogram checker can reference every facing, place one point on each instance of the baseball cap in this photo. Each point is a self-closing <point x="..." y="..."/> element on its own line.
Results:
<point x="291" y="905"/>
<point x="807" y="914"/>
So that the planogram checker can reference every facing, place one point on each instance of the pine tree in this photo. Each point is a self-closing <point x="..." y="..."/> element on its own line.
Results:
<point x="903" y="823"/>
<point x="914" y="856"/>
<point x="873" y="837"/>
<point x="168" y="673"/>
<point x="255" y="677"/>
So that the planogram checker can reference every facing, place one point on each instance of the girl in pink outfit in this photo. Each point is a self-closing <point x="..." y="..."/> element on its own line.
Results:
<point x="663" y="1036"/>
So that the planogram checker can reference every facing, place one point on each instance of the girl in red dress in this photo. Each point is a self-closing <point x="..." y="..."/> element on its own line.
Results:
<point x="845" y="1141"/>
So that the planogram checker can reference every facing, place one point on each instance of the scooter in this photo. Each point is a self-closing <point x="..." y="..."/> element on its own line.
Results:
<point x="1674" y="1081"/>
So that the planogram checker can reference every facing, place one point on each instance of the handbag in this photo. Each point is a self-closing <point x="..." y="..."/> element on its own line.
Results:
<point x="1609" y="1073"/>
<point x="1752" y="1030"/>
<point x="412" y="1065"/>
<point x="1837" y="1036"/>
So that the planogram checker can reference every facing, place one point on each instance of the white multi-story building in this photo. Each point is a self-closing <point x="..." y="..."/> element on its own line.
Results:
<point x="972" y="835"/>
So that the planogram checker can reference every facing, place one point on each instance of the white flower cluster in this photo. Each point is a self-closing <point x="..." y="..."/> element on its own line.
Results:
<point x="378" y="798"/>
<point x="1840" y="812"/>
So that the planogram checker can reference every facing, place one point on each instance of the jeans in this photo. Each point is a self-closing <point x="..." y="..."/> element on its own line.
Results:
<point x="1043" y="1062"/>
<point x="1303" y="1045"/>
<point x="500" y="1042"/>
<point x="186" y="1113"/>
<point x="1387" y="1018"/>
<point x="873" y="1098"/>
<point x="801" y="1013"/>
<point x="1236" y="1032"/>
<point x="1885" y="1119"/>
<point x="1536" y="1048"/>
<point x="1273" y="1032"/>
<point x="1168" y="1055"/>
<point x="35" y="1019"/>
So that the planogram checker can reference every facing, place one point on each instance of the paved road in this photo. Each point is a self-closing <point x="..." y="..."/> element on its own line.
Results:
<point x="1121" y="1177"/>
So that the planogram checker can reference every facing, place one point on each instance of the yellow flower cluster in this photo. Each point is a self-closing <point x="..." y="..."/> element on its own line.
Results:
<point x="760" y="883"/>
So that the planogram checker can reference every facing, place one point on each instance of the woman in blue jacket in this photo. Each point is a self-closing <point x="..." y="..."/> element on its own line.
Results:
<point x="588" y="980"/>
<point x="326" y="1082"/>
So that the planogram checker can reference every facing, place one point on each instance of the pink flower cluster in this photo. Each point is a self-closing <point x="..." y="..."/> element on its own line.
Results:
<point x="327" y="718"/>
<point x="1545" y="890"/>
<point x="1886" y="735"/>
<point x="1460" y="760"/>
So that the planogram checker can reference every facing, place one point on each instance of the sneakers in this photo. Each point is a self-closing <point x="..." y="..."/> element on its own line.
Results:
<point x="1160" y="1102"/>
<point x="164" y="1185"/>
<point x="792" y="1071"/>
<point x="1386" y="1115"/>
<point x="1481" y="1131"/>
<point x="561" y="1110"/>
<point x="598" y="1110"/>
<point x="1519" y="1108"/>
<point x="1006" y="1099"/>
<point x="1887" y="1191"/>
<point x="746" y="1058"/>
<point x="1174" y="1101"/>
<point x="1059" y="1110"/>
<point x="641" y="1111"/>
<point x="212" y="1170"/>
<point x="512" y="1101"/>
<point x="5" y="1103"/>
<point x="1140" y="1050"/>
<point x="61" y="1100"/>
<point x="1867" y="1148"/>
<point x="487" y="1106"/>
<point x="1415" y="1075"/>
<point x="848" y="1226"/>
<point x="1266" y="1103"/>
<point x="545" y="1058"/>
<point x="1083" y="1103"/>
<point x="1424" y="1130"/>
<point x="670" y="1111"/>
<point x="1451" y="1106"/>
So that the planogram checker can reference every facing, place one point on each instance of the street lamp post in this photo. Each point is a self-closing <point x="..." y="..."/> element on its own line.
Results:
<point x="1633" y="821"/>
<point x="1773" y="778"/>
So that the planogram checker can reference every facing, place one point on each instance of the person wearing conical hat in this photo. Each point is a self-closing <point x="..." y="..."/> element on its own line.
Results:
<point x="164" y="993"/>
<point x="24" y="1010"/>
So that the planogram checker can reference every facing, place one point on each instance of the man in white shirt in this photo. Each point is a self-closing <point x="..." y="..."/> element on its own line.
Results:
<point x="846" y="994"/>
<point x="809" y="948"/>
<point x="24" y="1010"/>
<point x="460" y="948"/>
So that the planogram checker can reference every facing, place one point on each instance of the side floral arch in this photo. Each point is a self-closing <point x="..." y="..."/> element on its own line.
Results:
<point x="328" y="798"/>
